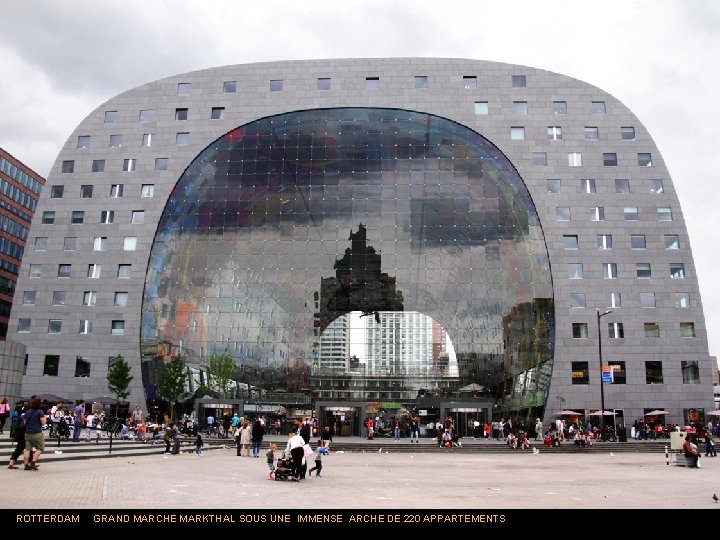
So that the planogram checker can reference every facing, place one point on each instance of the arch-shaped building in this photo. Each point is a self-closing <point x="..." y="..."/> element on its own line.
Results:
<point x="368" y="234"/>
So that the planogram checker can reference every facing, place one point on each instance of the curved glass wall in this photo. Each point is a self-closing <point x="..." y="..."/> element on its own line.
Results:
<point x="357" y="253"/>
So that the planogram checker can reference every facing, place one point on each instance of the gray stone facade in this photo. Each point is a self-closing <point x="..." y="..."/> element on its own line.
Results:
<point x="450" y="92"/>
<point x="12" y="362"/>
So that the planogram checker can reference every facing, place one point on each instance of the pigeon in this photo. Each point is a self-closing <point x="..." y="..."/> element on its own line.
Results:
<point x="715" y="497"/>
<point x="536" y="451"/>
<point x="612" y="454"/>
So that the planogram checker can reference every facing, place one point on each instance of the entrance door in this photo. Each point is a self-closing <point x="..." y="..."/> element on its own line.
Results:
<point x="341" y="421"/>
<point x="463" y="419"/>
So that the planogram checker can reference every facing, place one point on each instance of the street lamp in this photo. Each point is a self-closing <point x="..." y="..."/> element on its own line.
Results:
<point x="602" y="386"/>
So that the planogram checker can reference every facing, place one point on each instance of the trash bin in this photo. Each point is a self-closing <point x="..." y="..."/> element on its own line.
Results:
<point x="622" y="434"/>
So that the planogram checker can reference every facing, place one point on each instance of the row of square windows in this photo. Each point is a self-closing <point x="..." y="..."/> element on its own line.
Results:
<point x="137" y="217"/>
<point x="630" y="213"/>
<point x="680" y="300"/>
<point x="690" y="370"/>
<point x="589" y="185"/>
<point x="93" y="270"/>
<point x="100" y="243"/>
<point x="605" y="241"/>
<point x="610" y="270"/>
<point x="89" y="298"/>
<point x="616" y="330"/>
<point x="54" y="326"/>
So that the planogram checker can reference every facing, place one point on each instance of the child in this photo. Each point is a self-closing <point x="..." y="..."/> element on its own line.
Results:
<point x="271" y="460"/>
<point x="319" y="453"/>
<point x="199" y="445"/>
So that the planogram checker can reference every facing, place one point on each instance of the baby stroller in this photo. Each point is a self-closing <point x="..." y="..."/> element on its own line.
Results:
<point x="63" y="430"/>
<point x="283" y="471"/>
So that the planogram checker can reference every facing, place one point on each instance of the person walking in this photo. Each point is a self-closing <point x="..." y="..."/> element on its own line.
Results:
<point x="79" y="420"/>
<point x="199" y="445"/>
<point x="319" y="453"/>
<point x="538" y="429"/>
<point x="35" y="419"/>
<point x="4" y="413"/>
<point x="415" y="430"/>
<point x="19" y="433"/>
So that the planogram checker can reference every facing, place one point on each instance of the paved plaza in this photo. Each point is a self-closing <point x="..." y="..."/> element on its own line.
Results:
<point x="363" y="480"/>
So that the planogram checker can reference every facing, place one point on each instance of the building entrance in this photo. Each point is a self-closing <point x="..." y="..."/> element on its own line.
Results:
<point x="340" y="420"/>
<point x="464" y="418"/>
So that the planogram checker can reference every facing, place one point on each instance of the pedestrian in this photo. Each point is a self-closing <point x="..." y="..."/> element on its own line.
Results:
<point x="35" y="419"/>
<point x="79" y="420"/>
<point x="319" y="453"/>
<point x="270" y="457"/>
<point x="538" y="429"/>
<point x="4" y="413"/>
<point x="19" y="433"/>
<point x="198" y="445"/>
<point x="415" y="430"/>
<point x="709" y="445"/>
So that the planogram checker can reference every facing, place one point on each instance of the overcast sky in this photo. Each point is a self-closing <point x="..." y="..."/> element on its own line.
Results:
<point x="62" y="59"/>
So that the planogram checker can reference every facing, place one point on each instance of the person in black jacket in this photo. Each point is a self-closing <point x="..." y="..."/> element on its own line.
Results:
<point x="19" y="433"/>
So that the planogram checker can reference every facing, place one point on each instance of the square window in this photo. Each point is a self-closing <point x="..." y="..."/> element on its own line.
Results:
<point x="610" y="159"/>
<point x="610" y="271"/>
<point x="560" y="107"/>
<point x="48" y="217"/>
<point x="181" y="114"/>
<point x="89" y="298"/>
<point x="677" y="270"/>
<point x="604" y="241"/>
<point x="682" y="300"/>
<point x="23" y="325"/>
<point x="644" y="160"/>
<point x="111" y="117"/>
<point x="562" y="213"/>
<point x="147" y="139"/>
<point x="107" y="216"/>
<point x="597" y="213"/>
<point x="100" y="243"/>
<point x="117" y="328"/>
<point x="68" y="166"/>
<point x="78" y="216"/>
<point x="553" y="185"/>
<point x="575" y="159"/>
<point x="83" y="141"/>
<point x="69" y="243"/>
<point x="124" y="270"/>
<point x="161" y="164"/>
<point x="598" y="107"/>
<point x="146" y="115"/>
<point x="85" y="326"/>
<point x="570" y="241"/>
<point x="182" y="138"/>
<point x="580" y="373"/>
<point x="54" y="326"/>
<point x="469" y="82"/>
<point x="519" y="81"/>
<point x="121" y="299"/>
<point x="481" y="108"/>
<point x="129" y="165"/>
<point x="183" y="89"/>
<point x="627" y="133"/>
<point x="653" y="372"/>
<point x="539" y="158"/>
<point x="580" y="330"/>
<point x="64" y="270"/>
<point x="656" y="186"/>
<point x="276" y="85"/>
<point x="613" y="300"/>
<point x="421" y="81"/>
<point x="622" y="185"/>
<point x="587" y="185"/>
<point x="147" y="190"/>
<point x="652" y="329"/>
<point x="29" y="298"/>
<point x="324" y="83"/>
<point x="647" y="299"/>
<point x="130" y="243"/>
<point x="94" y="271"/>
<point x="115" y="141"/>
<point x="517" y="133"/>
<point x="86" y="192"/>
<point x="59" y="298"/>
<point x="116" y="191"/>
<point x="35" y="270"/>
<point x="618" y="371"/>
<point x="229" y="87"/>
<point x="520" y="107"/>
<point x="616" y="331"/>
<point x="554" y="133"/>
<point x="664" y="214"/>
<point x="592" y="133"/>
<point x="138" y="217"/>
<point x="643" y="270"/>
<point x="51" y="365"/>
<point x="630" y="213"/>
<point x="687" y="329"/>
<point x="82" y="367"/>
<point x="216" y="113"/>
<point x="56" y="192"/>
<point x="577" y="300"/>
<point x="672" y="241"/>
<point x="575" y="271"/>
<point x="690" y="371"/>
<point x="637" y="241"/>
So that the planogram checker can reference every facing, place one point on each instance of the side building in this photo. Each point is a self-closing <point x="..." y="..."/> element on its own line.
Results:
<point x="521" y="220"/>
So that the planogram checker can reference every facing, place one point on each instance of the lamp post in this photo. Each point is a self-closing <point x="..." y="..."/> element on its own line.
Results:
<point x="602" y="386"/>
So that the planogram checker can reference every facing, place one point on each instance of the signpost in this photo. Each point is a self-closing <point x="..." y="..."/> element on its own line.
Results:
<point x="607" y="375"/>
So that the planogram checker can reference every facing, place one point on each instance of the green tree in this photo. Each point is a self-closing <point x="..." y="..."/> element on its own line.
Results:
<point x="118" y="377"/>
<point x="220" y="370"/>
<point x="173" y="382"/>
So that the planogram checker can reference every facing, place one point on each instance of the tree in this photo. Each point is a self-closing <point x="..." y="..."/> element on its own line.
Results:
<point x="173" y="382"/>
<point x="220" y="370"/>
<point x="118" y="377"/>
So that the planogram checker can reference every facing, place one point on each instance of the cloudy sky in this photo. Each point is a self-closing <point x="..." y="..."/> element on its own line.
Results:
<point x="62" y="59"/>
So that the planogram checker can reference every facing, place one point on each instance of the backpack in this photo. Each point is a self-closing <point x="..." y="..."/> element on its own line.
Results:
<point x="22" y="423"/>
